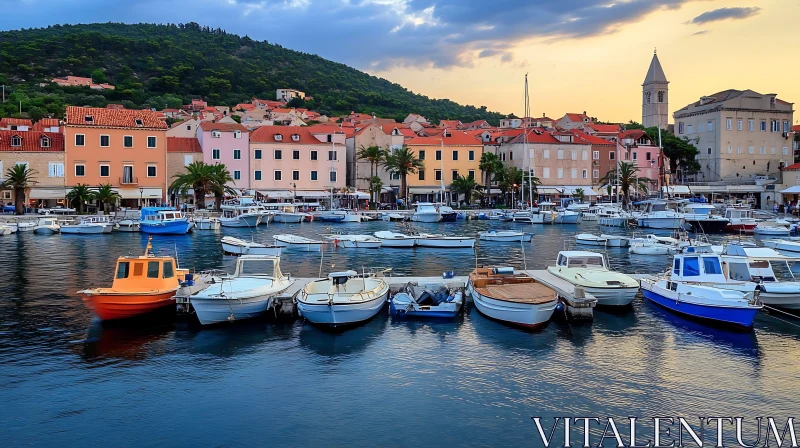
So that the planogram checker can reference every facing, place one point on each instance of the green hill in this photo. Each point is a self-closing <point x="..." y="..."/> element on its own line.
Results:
<point x="168" y="65"/>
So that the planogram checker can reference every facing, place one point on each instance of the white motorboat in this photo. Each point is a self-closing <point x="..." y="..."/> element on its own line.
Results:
<point x="392" y="239"/>
<point x="104" y="220"/>
<point x="392" y="217"/>
<point x="127" y="225"/>
<point x="616" y="240"/>
<point x="773" y="228"/>
<point x="654" y="245"/>
<point x="46" y="226"/>
<point x="26" y="226"/>
<point x="504" y="236"/>
<point x="236" y="246"/>
<point x="426" y="212"/>
<point x="297" y="242"/>
<point x="213" y="223"/>
<point x="518" y="300"/>
<point x="344" y="298"/>
<point x="495" y="215"/>
<point x="660" y="215"/>
<point x="587" y="239"/>
<point x="564" y="216"/>
<point x="248" y="293"/>
<point x="699" y="217"/>
<point x="5" y="230"/>
<point x="441" y="241"/>
<point x="773" y="272"/>
<point x="354" y="241"/>
<point x="84" y="228"/>
<point x="240" y="216"/>
<point x="338" y="215"/>
<point x="589" y="270"/>
<point x="784" y="245"/>
<point x="611" y="216"/>
<point x="288" y="217"/>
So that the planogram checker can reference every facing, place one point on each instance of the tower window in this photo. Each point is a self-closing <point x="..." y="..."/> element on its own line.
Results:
<point x="661" y="96"/>
<point x="647" y="97"/>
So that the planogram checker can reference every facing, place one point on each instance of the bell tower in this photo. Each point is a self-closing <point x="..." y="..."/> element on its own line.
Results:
<point x="655" y="96"/>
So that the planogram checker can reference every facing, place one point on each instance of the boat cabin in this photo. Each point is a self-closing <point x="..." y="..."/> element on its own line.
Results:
<point x="576" y="259"/>
<point x="258" y="266"/>
<point x="738" y="213"/>
<point x="236" y="211"/>
<point x="660" y="206"/>
<point x="147" y="272"/>
<point x="426" y="207"/>
<point x="758" y="264"/>
<point x="698" y="267"/>
<point x="160" y="214"/>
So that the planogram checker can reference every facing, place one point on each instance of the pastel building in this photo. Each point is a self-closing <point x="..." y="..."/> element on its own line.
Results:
<point x="452" y="154"/>
<point x="388" y="137"/>
<point x="182" y="151"/>
<point x="636" y="147"/>
<point x="289" y="162"/>
<point x="42" y="152"/>
<point x="228" y="144"/>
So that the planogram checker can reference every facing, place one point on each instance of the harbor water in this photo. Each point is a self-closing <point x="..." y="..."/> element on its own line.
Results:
<point x="68" y="380"/>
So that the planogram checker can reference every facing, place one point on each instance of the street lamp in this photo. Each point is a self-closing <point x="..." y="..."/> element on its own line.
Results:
<point x="513" y="195"/>
<point x="141" y="197"/>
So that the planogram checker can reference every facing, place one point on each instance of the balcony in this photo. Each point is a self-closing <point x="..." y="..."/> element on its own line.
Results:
<point x="128" y="180"/>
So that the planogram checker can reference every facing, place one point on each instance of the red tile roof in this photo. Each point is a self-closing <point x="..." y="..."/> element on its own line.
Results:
<point x="591" y="139"/>
<point x="456" y="138"/>
<point x="222" y="127"/>
<point x="534" y="135"/>
<point x="576" y="117"/>
<point x="183" y="144"/>
<point x="244" y="106"/>
<point x="266" y="134"/>
<point x="5" y="122"/>
<point x="46" y="123"/>
<point x="31" y="141"/>
<point x="632" y="133"/>
<point x="449" y="123"/>
<point x="605" y="128"/>
<point x="118" y="118"/>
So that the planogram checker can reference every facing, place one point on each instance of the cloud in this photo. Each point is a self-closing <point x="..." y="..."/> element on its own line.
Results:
<point x="368" y="34"/>
<point x="725" y="14"/>
<point x="699" y="33"/>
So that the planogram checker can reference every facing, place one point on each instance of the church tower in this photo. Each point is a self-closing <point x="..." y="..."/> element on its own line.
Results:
<point x="655" y="96"/>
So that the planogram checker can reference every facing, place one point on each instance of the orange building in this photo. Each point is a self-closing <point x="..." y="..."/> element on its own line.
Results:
<point x="121" y="147"/>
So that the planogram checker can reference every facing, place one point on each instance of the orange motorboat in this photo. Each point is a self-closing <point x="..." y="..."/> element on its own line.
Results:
<point x="141" y="285"/>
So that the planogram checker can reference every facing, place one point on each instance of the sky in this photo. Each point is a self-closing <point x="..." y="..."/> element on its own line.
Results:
<point x="580" y="55"/>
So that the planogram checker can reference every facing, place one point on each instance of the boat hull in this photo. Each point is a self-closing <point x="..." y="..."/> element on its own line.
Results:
<point x="207" y="224"/>
<point x="337" y="315"/>
<point x="738" y="317"/>
<point x="83" y="230"/>
<point x="45" y="231"/>
<point x="426" y="217"/>
<point x="707" y="226"/>
<point x="400" y="242"/>
<point x="592" y="242"/>
<point x="214" y="311"/>
<point x="124" y="306"/>
<point x="571" y="218"/>
<point x="127" y="227"/>
<point x="660" y="223"/>
<point x="524" y="315"/>
<point x="290" y="218"/>
<point x="740" y="227"/>
<point x="454" y="243"/>
<point x="235" y="249"/>
<point x="169" y="228"/>
<point x="449" y="217"/>
<point x="241" y="221"/>
<point x="613" y="296"/>
<point x="507" y="239"/>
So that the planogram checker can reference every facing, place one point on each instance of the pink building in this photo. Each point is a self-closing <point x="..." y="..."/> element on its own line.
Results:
<point x="297" y="161"/>
<point x="228" y="144"/>
<point x="636" y="147"/>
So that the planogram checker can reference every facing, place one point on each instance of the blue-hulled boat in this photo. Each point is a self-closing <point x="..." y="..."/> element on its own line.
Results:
<point x="164" y="221"/>
<point x="434" y="301"/>
<point x="691" y="290"/>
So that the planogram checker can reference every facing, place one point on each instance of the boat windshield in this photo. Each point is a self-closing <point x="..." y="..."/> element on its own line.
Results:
<point x="258" y="267"/>
<point x="585" y="262"/>
<point x="782" y="271"/>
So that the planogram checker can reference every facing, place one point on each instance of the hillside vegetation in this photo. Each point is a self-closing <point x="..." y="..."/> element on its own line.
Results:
<point x="168" y="65"/>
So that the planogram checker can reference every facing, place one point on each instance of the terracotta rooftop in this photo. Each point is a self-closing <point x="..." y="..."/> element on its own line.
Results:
<point x="222" y="127"/>
<point x="183" y="144"/>
<point x="31" y="141"/>
<point x="266" y="134"/>
<point x="5" y="122"/>
<point x="605" y="128"/>
<point x="591" y="139"/>
<point x="118" y="118"/>
<point x="46" y="123"/>
<point x="456" y="138"/>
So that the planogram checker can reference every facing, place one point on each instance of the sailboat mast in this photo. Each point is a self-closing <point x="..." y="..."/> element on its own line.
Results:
<point x="441" y="167"/>
<point x="661" y="177"/>
<point x="527" y="165"/>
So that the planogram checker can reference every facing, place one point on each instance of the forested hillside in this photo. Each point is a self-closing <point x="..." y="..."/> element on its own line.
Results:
<point x="167" y="65"/>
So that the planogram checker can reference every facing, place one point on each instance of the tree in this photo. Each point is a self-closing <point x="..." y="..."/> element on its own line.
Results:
<point x="19" y="178"/>
<point x="198" y="177"/>
<point x="489" y="164"/>
<point x="403" y="162"/>
<point x="579" y="194"/>
<point x="374" y="155"/>
<point x="375" y="185"/>
<point x="80" y="194"/>
<point x="106" y="195"/>
<point x="220" y="177"/>
<point x="466" y="186"/>
<point x="627" y="178"/>
<point x="98" y="76"/>
<point x="680" y="151"/>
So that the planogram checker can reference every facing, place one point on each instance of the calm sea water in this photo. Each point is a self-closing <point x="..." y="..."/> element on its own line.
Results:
<point x="68" y="380"/>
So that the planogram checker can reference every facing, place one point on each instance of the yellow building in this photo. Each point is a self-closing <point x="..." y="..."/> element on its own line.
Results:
<point x="446" y="156"/>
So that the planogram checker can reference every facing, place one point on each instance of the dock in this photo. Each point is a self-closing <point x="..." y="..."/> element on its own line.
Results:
<point x="579" y="304"/>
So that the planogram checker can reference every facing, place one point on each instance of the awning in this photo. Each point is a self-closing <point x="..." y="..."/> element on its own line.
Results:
<point x="385" y="189"/>
<point x="792" y="190"/>
<point x="359" y="194"/>
<point x="570" y="190"/>
<point x="676" y="189"/>
<point x="424" y="190"/>
<point x="277" y="194"/>
<point x="135" y="193"/>
<point x="313" y="194"/>
<point x="549" y="190"/>
<point x="48" y="192"/>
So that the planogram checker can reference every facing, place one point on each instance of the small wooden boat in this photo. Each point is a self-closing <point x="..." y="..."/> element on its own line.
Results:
<point x="297" y="242"/>
<point x="236" y="246"/>
<point x="141" y="285"/>
<point x="344" y="298"/>
<point x="518" y="300"/>
<point x="504" y="236"/>
<point x="441" y="301"/>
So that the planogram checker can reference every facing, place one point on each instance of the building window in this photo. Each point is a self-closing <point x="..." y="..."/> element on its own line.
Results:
<point x="105" y="171"/>
<point x="257" y="175"/>
<point x="772" y="151"/>
<point x="16" y="141"/>
<point x="421" y="175"/>
<point x="237" y="175"/>
<point x="584" y="155"/>
<point x="611" y="155"/>
<point x="584" y="174"/>
<point x="394" y="176"/>
<point x="332" y="176"/>
<point x="749" y="149"/>
<point x="785" y="126"/>
<point x="647" y="97"/>
<point x="237" y="154"/>
<point x="751" y="125"/>
<point x="647" y="156"/>
<point x="730" y="149"/>
<point x="560" y="154"/>
<point x="710" y="126"/>
<point x="44" y="142"/>
<point x="313" y="175"/>
<point x="331" y="155"/>
<point x="574" y="173"/>
<point x="763" y="150"/>
<point x="151" y="171"/>
<point x="595" y="155"/>
<point x="438" y="154"/>
<point x="680" y="127"/>
<point x="738" y="150"/>
<point x="330" y="138"/>
<point x="635" y="155"/>
<point x="709" y="151"/>
<point x="80" y="170"/>
<point x="151" y="142"/>
<point x="437" y="174"/>
<point x="313" y="155"/>
<point x="776" y="125"/>
<point x="54" y="169"/>
<point x="215" y="154"/>
<point x="237" y="134"/>
<point x="277" y="175"/>
<point x="127" y="141"/>
<point x="80" y="140"/>
<point x="188" y="127"/>
<point x="689" y="129"/>
<point x="560" y="173"/>
<point x="455" y="155"/>
<point x="105" y="141"/>
<point x="763" y="125"/>
<point x="471" y="174"/>
<point x="785" y="151"/>
<point x="738" y="125"/>
<point x="278" y="154"/>
<point x="216" y="134"/>
<point x="729" y="123"/>
<point x="511" y="154"/>
<point x="295" y="155"/>
<point x="455" y="174"/>
<point x="257" y="154"/>
<point x="546" y="173"/>
<point x="421" y="154"/>
<point x="295" y="175"/>
<point x="596" y="174"/>
<point x="545" y="153"/>
<point x="660" y="96"/>
<point x="471" y="155"/>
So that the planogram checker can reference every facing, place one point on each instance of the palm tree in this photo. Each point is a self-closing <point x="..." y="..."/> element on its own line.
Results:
<point x="375" y="155"/>
<point x="220" y="178"/>
<point x="489" y="164"/>
<point x="626" y="179"/>
<point x="19" y="178"/>
<point x="80" y="194"/>
<point x="375" y="185"/>
<point x="198" y="177"/>
<point x="106" y="195"/>
<point x="579" y="194"/>
<point x="466" y="186"/>
<point x="403" y="162"/>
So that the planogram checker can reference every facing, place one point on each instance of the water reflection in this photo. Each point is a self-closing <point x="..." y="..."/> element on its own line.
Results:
<point x="339" y="345"/>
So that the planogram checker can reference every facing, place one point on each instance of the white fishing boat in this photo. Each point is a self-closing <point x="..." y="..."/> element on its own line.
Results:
<point x="46" y="226"/>
<point x="773" y="228"/>
<point x="392" y="239"/>
<point x="504" y="236"/>
<point x="104" y="220"/>
<point x="288" y="217"/>
<point x="518" y="300"/>
<point x="339" y="215"/>
<point x="589" y="270"/>
<point x="248" y="293"/>
<point x="354" y="241"/>
<point x="773" y="272"/>
<point x="741" y="220"/>
<point x="240" y="216"/>
<point x="659" y="215"/>
<point x="784" y="245"/>
<point x="297" y="242"/>
<point x="564" y="216"/>
<point x="654" y="245"/>
<point x="441" y="241"/>
<point x="236" y="246"/>
<point x="426" y="212"/>
<point x="392" y="217"/>
<point x="213" y="223"/>
<point x="616" y="240"/>
<point x="84" y="228"/>
<point x="587" y="239"/>
<point x="344" y="298"/>
<point x="611" y="216"/>
<point x="284" y="213"/>
<point x="26" y="226"/>
<point x="494" y="215"/>
<point x="700" y="217"/>
<point x="127" y="225"/>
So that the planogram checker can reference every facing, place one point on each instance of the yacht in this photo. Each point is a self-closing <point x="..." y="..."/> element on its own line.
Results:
<point x="589" y="270"/>
<point x="426" y="212"/>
